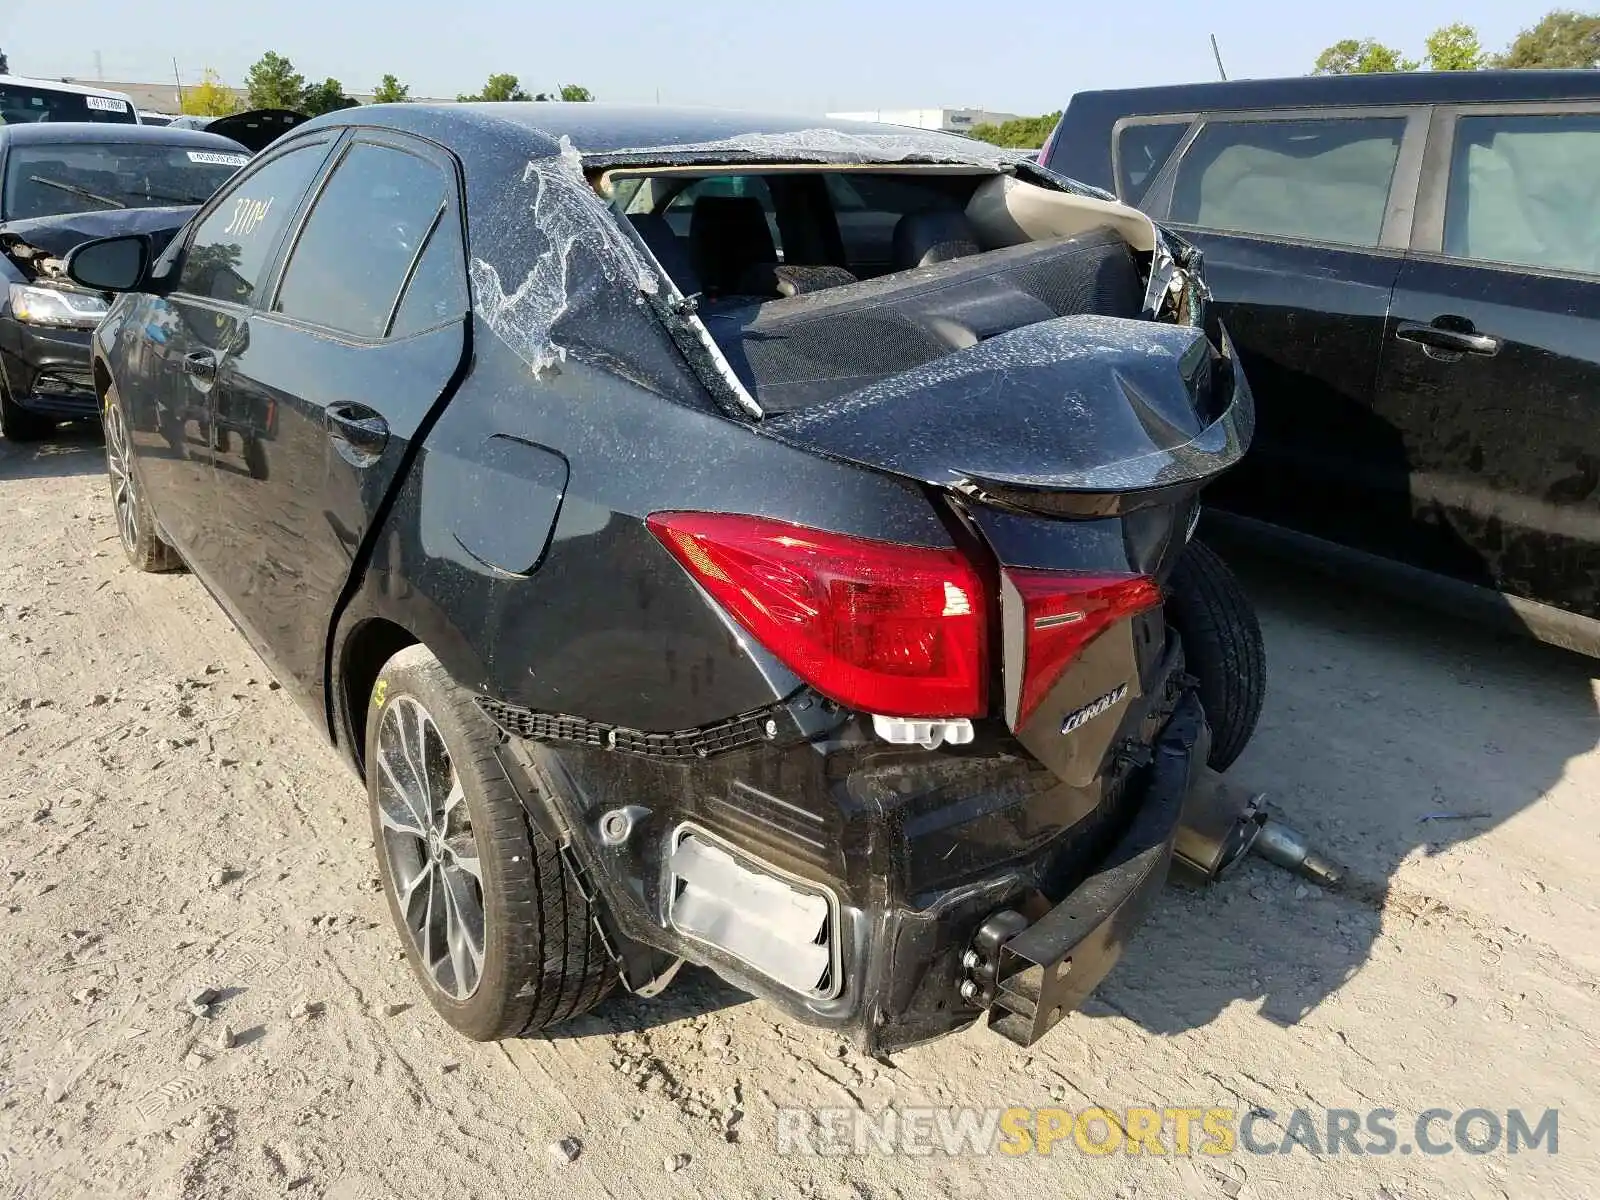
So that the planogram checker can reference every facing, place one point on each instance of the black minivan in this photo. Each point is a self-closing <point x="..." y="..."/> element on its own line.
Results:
<point x="1410" y="265"/>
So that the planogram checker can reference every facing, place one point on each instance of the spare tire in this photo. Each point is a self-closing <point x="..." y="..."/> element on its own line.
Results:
<point x="1222" y="647"/>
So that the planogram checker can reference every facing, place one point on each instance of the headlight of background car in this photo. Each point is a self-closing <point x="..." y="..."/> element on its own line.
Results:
<point x="48" y="306"/>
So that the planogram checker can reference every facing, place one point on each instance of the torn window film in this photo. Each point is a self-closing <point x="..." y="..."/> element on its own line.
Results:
<point x="581" y="255"/>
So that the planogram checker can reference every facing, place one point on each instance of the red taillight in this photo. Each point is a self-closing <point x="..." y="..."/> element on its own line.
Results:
<point x="879" y="627"/>
<point x="1063" y="613"/>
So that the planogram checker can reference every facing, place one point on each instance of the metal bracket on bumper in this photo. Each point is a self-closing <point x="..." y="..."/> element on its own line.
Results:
<point x="1050" y="967"/>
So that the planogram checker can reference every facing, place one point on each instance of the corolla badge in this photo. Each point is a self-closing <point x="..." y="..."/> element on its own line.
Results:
<point x="1082" y="716"/>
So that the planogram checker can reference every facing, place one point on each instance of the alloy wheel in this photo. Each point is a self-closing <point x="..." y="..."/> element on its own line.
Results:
<point x="432" y="854"/>
<point x="124" y="497"/>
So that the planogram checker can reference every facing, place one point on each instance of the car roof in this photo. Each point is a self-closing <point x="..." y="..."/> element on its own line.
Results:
<point x="1304" y="91"/>
<point x="55" y="85"/>
<point x="57" y="133"/>
<point x="605" y="131"/>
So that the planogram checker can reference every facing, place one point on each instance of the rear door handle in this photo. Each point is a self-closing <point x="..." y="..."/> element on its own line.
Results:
<point x="1455" y="341"/>
<point x="201" y="364"/>
<point x="360" y="427"/>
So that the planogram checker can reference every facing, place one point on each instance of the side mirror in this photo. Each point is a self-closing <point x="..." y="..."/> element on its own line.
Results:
<point x="114" y="264"/>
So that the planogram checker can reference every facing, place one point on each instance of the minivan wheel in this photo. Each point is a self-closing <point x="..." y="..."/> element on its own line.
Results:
<point x="495" y="929"/>
<point x="1222" y="647"/>
<point x="136" y="524"/>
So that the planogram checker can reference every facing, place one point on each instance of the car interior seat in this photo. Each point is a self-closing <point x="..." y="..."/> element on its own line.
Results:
<point x="921" y="239"/>
<point x="656" y="232"/>
<point x="728" y="235"/>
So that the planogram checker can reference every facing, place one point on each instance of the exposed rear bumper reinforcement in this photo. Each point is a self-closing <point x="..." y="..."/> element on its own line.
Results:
<point x="1048" y="968"/>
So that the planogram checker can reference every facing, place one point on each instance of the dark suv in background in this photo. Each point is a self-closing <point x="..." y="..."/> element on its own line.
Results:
<point x="1410" y="265"/>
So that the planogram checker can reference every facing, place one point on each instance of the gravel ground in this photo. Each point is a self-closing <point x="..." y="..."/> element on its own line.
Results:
<point x="172" y="829"/>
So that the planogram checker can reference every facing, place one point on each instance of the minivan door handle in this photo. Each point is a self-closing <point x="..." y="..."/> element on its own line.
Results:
<point x="361" y="428"/>
<point x="201" y="364"/>
<point x="1453" y="341"/>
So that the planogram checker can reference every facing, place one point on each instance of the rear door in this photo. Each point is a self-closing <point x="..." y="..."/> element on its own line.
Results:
<point x="341" y="367"/>
<point x="188" y="336"/>
<point x="1491" y="360"/>
<point x="1304" y="218"/>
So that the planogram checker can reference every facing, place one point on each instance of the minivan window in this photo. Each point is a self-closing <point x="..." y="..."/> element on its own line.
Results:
<point x="1324" y="180"/>
<point x="1142" y="150"/>
<point x="363" y="235"/>
<point x="228" y="251"/>
<point x="1525" y="190"/>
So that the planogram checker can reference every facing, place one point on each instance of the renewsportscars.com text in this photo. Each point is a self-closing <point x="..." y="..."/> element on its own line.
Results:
<point x="1166" y="1130"/>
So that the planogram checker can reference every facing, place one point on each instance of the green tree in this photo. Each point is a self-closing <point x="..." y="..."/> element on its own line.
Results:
<point x="570" y="92"/>
<point x="391" y="91"/>
<point x="274" y="83"/>
<point x="1564" y="38"/>
<point x="5" y="66"/>
<point x="1364" y="56"/>
<point x="1024" y="133"/>
<point x="499" y="87"/>
<point x="210" y="97"/>
<point x="327" y="96"/>
<point x="1454" y="48"/>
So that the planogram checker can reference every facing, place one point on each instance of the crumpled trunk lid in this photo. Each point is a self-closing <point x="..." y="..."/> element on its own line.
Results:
<point x="1097" y="407"/>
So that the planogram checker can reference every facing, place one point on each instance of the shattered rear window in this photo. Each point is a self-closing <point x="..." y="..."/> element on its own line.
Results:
<point x="820" y="146"/>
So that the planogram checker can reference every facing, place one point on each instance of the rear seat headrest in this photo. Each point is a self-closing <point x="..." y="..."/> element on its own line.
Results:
<point x="656" y="232"/>
<point x="727" y="236"/>
<point x="924" y="238"/>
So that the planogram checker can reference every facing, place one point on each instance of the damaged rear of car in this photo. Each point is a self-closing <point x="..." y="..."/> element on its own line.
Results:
<point x="986" y="826"/>
<point x="783" y="566"/>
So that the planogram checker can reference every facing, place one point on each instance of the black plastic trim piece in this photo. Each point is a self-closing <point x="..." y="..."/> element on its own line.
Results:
<point x="748" y="729"/>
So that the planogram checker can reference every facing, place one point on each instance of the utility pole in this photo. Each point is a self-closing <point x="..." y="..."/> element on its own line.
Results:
<point x="1217" y="54"/>
<point x="177" y="81"/>
<point x="99" y="66"/>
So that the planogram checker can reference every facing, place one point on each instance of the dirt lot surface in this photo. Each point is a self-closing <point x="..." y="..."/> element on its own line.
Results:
<point x="170" y="822"/>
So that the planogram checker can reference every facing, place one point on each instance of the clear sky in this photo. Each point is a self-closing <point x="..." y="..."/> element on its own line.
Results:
<point x="806" y="56"/>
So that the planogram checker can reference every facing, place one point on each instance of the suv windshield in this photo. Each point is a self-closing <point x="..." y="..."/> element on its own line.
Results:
<point x="21" y="104"/>
<point x="44" y="180"/>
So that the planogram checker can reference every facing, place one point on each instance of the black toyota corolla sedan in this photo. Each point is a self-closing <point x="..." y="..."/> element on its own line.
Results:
<point x="61" y="185"/>
<point x="712" y="538"/>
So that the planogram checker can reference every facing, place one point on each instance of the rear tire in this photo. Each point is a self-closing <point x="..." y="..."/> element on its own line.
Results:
<point x="524" y="952"/>
<point x="1222" y="646"/>
<point x="136" y="523"/>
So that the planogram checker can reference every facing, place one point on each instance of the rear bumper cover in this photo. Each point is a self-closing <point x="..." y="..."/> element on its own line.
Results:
<point x="916" y="854"/>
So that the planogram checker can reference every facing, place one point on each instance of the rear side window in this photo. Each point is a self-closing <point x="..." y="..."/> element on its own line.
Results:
<point x="358" y="246"/>
<point x="228" y="251"/>
<point x="1142" y="150"/>
<point x="1525" y="190"/>
<point x="438" y="289"/>
<point x="1323" y="180"/>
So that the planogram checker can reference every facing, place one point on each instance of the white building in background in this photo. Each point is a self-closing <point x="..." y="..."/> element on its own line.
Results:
<point x="949" y="120"/>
